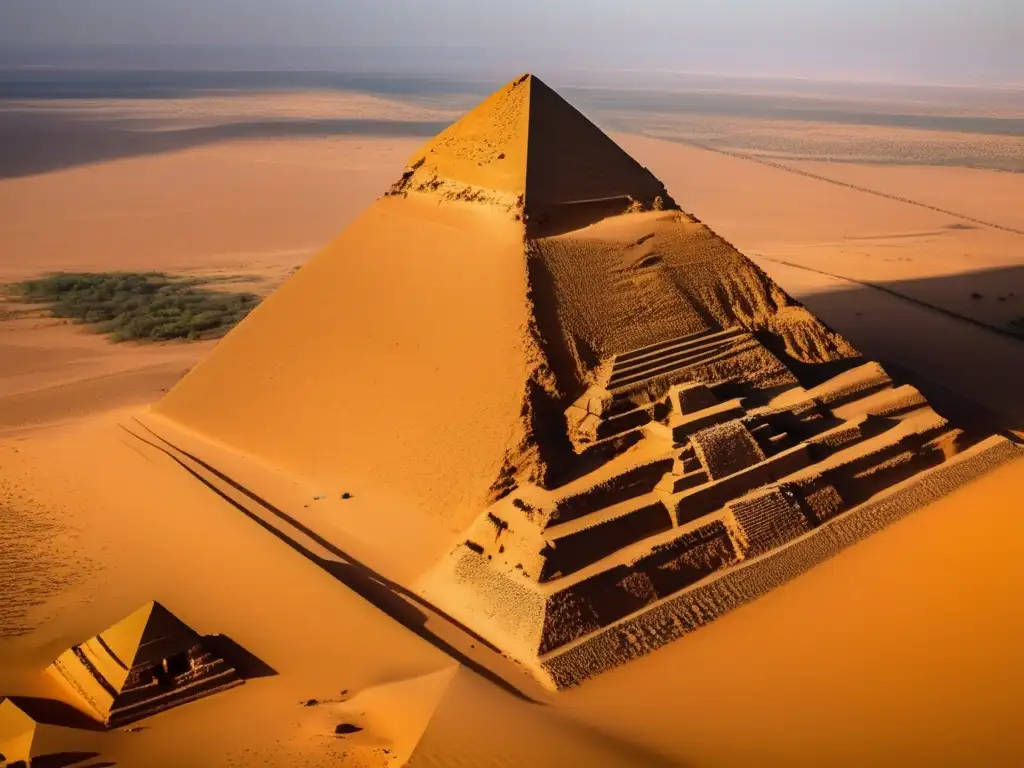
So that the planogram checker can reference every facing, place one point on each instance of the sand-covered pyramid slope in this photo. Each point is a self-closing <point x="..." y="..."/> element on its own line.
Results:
<point x="395" y="359"/>
<point x="530" y="150"/>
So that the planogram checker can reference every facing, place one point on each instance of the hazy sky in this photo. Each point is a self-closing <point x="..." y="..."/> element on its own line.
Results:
<point x="909" y="40"/>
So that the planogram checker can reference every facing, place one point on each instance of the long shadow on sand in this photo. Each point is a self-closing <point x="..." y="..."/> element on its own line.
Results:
<point x="959" y="339"/>
<point x="33" y="142"/>
<point x="392" y="598"/>
<point x="69" y="760"/>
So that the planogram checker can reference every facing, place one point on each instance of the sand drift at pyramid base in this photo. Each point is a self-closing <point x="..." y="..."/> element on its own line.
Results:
<point x="632" y="427"/>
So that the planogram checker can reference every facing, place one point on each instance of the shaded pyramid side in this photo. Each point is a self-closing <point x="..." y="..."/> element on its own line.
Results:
<point x="572" y="163"/>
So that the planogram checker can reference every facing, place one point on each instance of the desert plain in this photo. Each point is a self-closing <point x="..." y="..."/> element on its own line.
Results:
<point x="904" y="236"/>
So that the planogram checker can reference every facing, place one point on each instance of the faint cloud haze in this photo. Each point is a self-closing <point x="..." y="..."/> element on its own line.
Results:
<point x="931" y="41"/>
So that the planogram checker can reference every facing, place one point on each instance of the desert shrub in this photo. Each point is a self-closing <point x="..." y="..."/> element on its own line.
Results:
<point x="139" y="306"/>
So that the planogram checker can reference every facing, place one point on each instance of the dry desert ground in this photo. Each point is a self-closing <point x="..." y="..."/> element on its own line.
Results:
<point x="291" y="521"/>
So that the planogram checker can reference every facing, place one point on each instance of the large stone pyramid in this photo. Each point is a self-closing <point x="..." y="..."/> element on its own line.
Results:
<point x="145" y="663"/>
<point x="630" y="427"/>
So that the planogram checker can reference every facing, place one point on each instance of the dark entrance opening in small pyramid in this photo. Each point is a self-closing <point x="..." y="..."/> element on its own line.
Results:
<point x="176" y="664"/>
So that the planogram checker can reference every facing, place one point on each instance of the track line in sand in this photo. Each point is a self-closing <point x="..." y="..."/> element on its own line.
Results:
<point x="406" y="607"/>
<point x="848" y="185"/>
<point x="898" y="295"/>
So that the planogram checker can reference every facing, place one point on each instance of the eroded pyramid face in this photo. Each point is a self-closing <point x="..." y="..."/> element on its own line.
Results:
<point x="627" y="426"/>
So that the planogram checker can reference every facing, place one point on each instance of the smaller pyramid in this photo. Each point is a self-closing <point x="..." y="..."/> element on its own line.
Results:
<point x="147" y="662"/>
<point x="17" y="734"/>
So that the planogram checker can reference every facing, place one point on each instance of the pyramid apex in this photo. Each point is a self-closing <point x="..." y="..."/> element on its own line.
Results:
<point x="141" y="632"/>
<point x="528" y="150"/>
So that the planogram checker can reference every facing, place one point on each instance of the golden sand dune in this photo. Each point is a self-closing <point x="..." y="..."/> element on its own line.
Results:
<point x="629" y="428"/>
